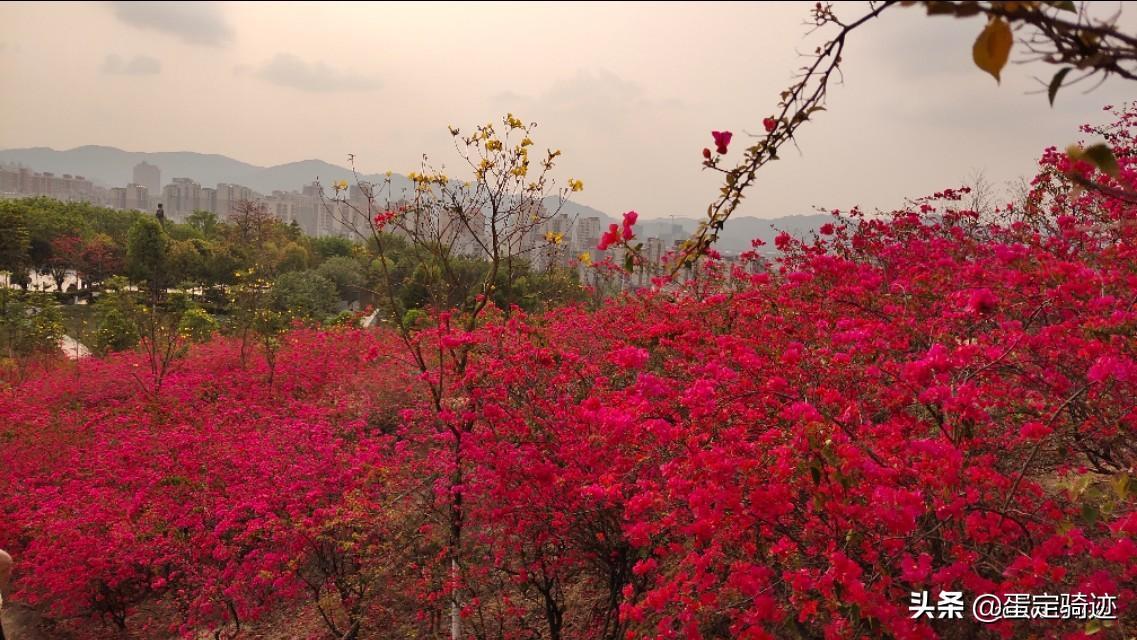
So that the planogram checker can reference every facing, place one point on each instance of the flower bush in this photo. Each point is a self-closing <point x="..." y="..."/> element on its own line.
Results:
<point x="937" y="399"/>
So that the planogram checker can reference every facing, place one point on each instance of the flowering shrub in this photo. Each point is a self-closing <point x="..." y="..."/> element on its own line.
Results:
<point x="932" y="400"/>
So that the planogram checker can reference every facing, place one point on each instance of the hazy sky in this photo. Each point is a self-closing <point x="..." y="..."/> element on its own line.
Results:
<point x="629" y="92"/>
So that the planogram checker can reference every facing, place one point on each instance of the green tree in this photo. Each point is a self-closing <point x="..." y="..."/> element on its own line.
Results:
<point x="330" y="246"/>
<point x="303" y="294"/>
<point x="147" y="256"/>
<point x="29" y="324"/>
<point x="197" y="325"/>
<point x="14" y="241"/>
<point x="468" y="237"/>
<point x="48" y="220"/>
<point x="114" y="312"/>
<point x="160" y="330"/>
<point x="291" y="257"/>
<point x="206" y="223"/>
<point x="347" y="274"/>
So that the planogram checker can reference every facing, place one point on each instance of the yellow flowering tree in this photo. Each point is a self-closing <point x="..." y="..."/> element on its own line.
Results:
<point x="466" y="238"/>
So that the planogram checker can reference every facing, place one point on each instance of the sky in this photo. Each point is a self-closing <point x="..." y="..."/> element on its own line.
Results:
<point x="628" y="91"/>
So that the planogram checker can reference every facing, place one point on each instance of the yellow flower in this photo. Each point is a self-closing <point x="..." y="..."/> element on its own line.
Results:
<point x="575" y="185"/>
<point x="585" y="258"/>
<point x="513" y="122"/>
<point x="554" y="237"/>
<point x="341" y="185"/>
<point x="493" y="145"/>
<point x="526" y="142"/>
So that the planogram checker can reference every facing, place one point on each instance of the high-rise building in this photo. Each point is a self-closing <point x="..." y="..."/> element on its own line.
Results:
<point x="149" y="176"/>
<point x="587" y="233"/>
<point x="25" y="182"/>
<point x="228" y="195"/>
<point x="182" y="197"/>
<point x="132" y="196"/>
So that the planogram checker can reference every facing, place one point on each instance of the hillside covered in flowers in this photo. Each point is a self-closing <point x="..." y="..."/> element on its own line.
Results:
<point x="933" y="399"/>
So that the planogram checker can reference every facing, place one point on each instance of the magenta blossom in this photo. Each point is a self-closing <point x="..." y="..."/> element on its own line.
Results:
<point x="610" y="237"/>
<point x="629" y="219"/>
<point x="722" y="140"/>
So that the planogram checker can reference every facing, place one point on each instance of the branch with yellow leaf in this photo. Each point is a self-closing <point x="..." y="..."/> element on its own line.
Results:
<point x="1059" y="33"/>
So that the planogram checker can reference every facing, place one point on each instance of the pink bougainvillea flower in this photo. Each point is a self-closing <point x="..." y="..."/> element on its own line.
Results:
<point x="770" y="124"/>
<point x="629" y="219"/>
<point x="722" y="140"/>
<point x="981" y="301"/>
<point x="610" y="237"/>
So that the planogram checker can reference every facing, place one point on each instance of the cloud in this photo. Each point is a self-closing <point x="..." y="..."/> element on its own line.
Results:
<point x="287" y="70"/>
<point x="193" y="22"/>
<point x="136" y="66"/>
<point x="595" y="96"/>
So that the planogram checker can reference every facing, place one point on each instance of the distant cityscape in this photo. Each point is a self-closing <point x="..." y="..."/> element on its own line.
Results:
<point x="180" y="197"/>
<point x="559" y="239"/>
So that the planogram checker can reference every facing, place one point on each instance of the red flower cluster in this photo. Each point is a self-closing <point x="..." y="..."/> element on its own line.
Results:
<point x="610" y="237"/>
<point x="618" y="233"/>
<point x="785" y="448"/>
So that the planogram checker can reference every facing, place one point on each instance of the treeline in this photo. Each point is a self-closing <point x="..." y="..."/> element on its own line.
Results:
<point x="222" y="272"/>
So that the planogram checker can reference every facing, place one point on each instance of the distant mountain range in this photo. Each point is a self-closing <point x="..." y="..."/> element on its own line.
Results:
<point x="112" y="167"/>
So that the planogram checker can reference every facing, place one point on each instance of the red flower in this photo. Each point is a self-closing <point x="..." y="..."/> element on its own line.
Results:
<point x="981" y="301"/>
<point x="770" y="124"/>
<point x="706" y="153"/>
<point x="722" y="139"/>
<point x="610" y="237"/>
<point x="629" y="220"/>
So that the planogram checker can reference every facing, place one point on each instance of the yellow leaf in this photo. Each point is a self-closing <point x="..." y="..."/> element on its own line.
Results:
<point x="993" y="47"/>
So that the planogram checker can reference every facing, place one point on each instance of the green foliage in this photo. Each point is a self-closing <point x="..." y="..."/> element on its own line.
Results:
<point x="114" y="311"/>
<point x="344" y="318"/>
<point x="15" y="240"/>
<point x="30" y="323"/>
<point x="296" y="276"/>
<point x="115" y="332"/>
<point x="303" y="294"/>
<point x="207" y="224"/>
<point x="331" y="246"/>
<point x="347" y="275"/>
<point x="291" y="257"/>
<point x="186" y="261"/>
<point x="415" y="319"/>
<point x="147" y="254"/>
<point x="197" y="325"/>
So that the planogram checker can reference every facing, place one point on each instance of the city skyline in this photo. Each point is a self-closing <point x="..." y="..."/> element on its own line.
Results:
<point x="559" y="238"/>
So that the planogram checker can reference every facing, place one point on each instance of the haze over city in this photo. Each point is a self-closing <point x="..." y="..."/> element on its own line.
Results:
<point x="610" y="85"/>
